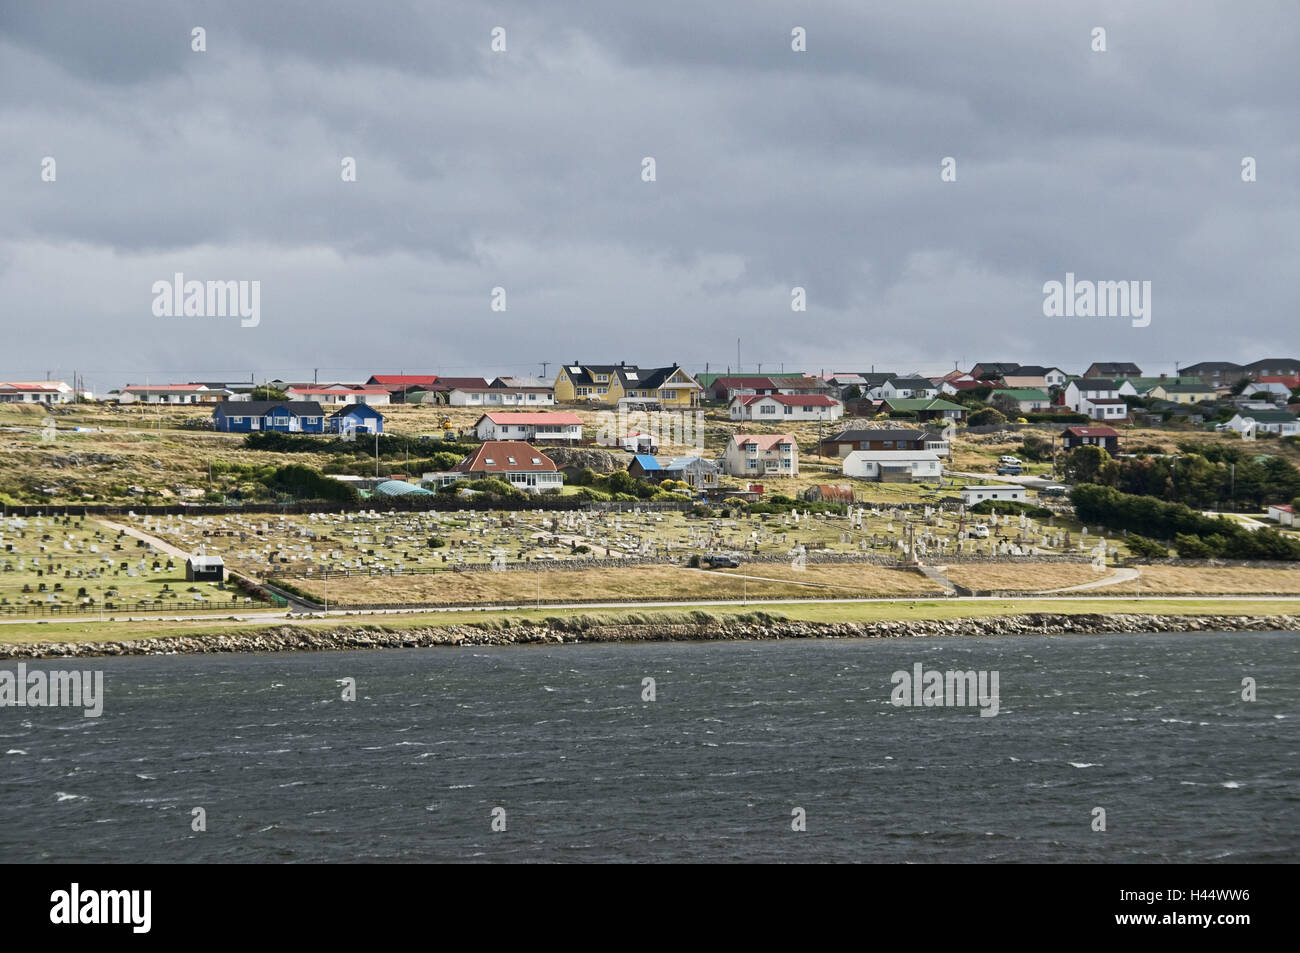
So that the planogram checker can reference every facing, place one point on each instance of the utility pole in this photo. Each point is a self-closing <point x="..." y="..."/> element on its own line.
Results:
<point x="376" y="453"/>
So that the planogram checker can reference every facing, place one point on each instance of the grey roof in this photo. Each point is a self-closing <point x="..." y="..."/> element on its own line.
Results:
<point x="903" y="433"/>
<point x="260" y="408"/>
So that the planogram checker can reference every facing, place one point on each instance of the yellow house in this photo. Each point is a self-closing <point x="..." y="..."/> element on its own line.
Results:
<point x="1182" y="393"/>
<point x="610" y="383"/>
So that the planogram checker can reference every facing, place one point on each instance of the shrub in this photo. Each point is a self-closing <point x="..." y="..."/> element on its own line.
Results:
<point x="1145" y="548"/>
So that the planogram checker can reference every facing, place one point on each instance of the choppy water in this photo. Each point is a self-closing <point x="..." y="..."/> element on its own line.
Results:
<point x="1151" y="728"/>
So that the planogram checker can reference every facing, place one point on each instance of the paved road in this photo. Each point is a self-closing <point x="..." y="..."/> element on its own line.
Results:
<point x="1025" y="480"/>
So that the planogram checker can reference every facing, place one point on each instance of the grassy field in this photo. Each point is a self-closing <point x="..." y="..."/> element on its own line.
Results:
<point x="920" y="609"/>
<point x="1187" y="580"/>
<point x="1020" y="577"/>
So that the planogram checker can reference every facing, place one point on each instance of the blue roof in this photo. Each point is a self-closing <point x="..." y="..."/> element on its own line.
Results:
<point x="647" y="462"/>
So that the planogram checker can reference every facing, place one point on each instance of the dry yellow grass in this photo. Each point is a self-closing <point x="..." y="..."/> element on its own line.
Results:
<point x="1185" y="580"/>
<point x="1022" y="577"/>
<point x="645" y="582"/>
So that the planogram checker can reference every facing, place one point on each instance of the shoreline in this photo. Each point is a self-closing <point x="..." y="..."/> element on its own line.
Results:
<point x="297" y="638"/>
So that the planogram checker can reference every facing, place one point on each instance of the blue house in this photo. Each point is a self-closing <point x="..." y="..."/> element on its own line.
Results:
<point x="280" y="416"/>
<point x="645" y="467"/>
<point x="356" y="418"/>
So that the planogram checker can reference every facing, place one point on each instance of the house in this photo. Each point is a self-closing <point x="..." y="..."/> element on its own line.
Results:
<point x="400" y="385"/>
<point x="204" y="568"/>
<point x="933" y="409"/>
<point x="1283" y="513"/>
<point x="1105" y="437"/>
<point x="846" y="441"/>
<point x="494" y="396"/>
<point x="534" y="427"/>
<point x="1104" y="408"/>
<point x="1112" y="369"/>
<point x="1290" y="381"/>
<point x="1275" y="391"/>
<point x="1281" y="422"/>
<point x="279" y="416"/>
<point x="1035" y="377"/>
<point x="1025" y="399"/>
<point x="1182" y="393"/>
<point x="751" y="455"/>
<point x="695" y="472"/>
<point x="960" y="386"/>
<point x="36" y="392"/>
<point x="339" y="394"/>
<point x="970" y="495"/>
<point x="355" y="419"/>
<point x="609" y="383"/>
<point x="905" y="387"/>
<point x="1273" y="367"/>
<point x="515" y="462"/>
<point x="1141" y="386"/>
<point x="170" y="394"/>
<point x="1215" y="373"/>
<point x="774" y="408"/>
<point x="844" y="384"/>
<point x="645" y="467"/>
<point x="1091" y="388"/>
<point x="988" y="369"/>
<point x="894" y="466"/>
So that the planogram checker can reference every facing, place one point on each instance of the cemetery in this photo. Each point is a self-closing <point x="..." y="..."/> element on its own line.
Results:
<point x="73" y="565"/>
<point x="374" y="557"/>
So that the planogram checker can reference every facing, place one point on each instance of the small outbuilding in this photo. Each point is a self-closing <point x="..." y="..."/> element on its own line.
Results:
<point x="204" y="568"/>
<point x="970" y="495"/>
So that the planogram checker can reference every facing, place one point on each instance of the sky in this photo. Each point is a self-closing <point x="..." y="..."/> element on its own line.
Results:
<point x="523" y="169"/>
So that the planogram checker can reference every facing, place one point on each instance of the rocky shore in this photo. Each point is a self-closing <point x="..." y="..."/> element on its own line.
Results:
<point x="293" y="638"/>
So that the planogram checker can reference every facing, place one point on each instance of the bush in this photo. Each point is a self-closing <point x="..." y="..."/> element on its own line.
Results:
<point x="1007" y="507"/>
<point x="1192" y="547"/>
<point x="989" y="416"/>
<point x="436" y="542"/>
<point x="1145" y="548"/>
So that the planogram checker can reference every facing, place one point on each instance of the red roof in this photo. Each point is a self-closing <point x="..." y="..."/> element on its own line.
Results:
<point x="1092" y="431"/>
<point x="495" y="456"/>
<point x="1290" y="380"/>
<point x="339" y="391"/>
<point x="525" y="417"/>
<point x="793" y="400"/>
<point x="764" y="441"/>
<point x="1284" y="507"/>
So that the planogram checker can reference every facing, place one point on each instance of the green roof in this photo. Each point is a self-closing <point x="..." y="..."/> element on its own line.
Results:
<point x="1268" y="416"/>
<point x="1144" y="384"/>
<point x="922" y="403"/>
<point x="1021" y="393"/>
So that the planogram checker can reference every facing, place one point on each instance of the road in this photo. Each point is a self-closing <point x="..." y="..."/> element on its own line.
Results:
<point x="1026" y="480"/>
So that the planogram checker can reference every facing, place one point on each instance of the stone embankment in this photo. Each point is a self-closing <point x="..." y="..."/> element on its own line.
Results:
<point x="757" y="626"/>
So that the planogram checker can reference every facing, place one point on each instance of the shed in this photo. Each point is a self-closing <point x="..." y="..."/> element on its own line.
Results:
<point x="970" y="495"/>
<point x="205" y="568"/>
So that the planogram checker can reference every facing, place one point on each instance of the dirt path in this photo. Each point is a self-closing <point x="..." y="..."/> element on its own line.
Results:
<point x="154" y="541"/>
<point x="1118" y="576"/>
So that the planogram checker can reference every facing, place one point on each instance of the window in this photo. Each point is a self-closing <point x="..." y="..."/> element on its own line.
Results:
<point x="767" y="409"/>
<point x="489" y="461"/>
<point x="510" y="460"/>
<point x="789" y="409"/>
<point x="537" y="461"/>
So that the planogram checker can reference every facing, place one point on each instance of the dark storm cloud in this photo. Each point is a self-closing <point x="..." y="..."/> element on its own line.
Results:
<point x="775" y="169"/>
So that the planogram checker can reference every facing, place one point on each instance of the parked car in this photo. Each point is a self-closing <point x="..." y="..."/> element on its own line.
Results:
<point x="980" y="531"/>
<point x="1009" y="461"/>
<point x="1010" y="469"/>
<point x="719" y="561"/>
<point x="1053" y="491"/>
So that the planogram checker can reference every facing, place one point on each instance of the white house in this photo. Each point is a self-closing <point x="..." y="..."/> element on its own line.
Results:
<point x="1104" y="408"/>
<point x="171" y="394"/>
<point x="1275" y="391"/>
<point x="775" y="408"/>
<point x="906" y="388"/>
<point x="970" y="495"/>
<point x="530" y="427"/>
<point x="541" y="396"/>
<point x="894" y="466"/>
<point x="759" y="454"/>
<point x="1281" y="422"/>
<point x="1283" y="513"/>
<point x="1089" y="389"/>
<point x="339" y="394"/>
<point x="36" y="392"/>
